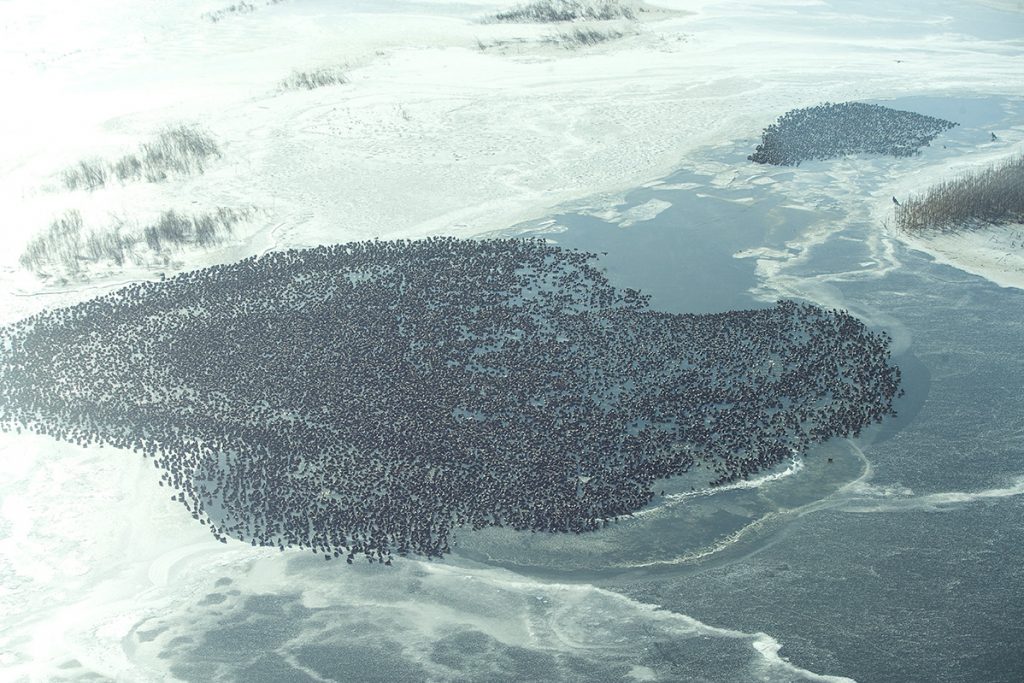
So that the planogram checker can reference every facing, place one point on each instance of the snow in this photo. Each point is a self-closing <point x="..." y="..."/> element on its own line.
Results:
<point x="431" y="135"/>
<point x="995" y="253"/>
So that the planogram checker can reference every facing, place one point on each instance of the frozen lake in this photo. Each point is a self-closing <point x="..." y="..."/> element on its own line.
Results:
<point x="894" y="556"/>
<point x="856" y="557"/>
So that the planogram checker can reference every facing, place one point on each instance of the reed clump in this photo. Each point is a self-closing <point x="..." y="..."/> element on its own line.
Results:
<point x="991" y="196"/>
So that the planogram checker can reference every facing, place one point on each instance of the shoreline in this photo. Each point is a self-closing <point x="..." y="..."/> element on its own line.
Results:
<point x="433" y="136"/>
<point x="994" y="253"/>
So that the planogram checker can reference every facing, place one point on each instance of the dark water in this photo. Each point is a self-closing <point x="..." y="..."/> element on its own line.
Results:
<point x="685" y="257"/>
<point x="897" y="585"/>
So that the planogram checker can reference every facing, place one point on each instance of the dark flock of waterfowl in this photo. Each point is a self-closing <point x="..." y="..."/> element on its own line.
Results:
<point x="828" y="131"/>
<point x="370" y="398"/>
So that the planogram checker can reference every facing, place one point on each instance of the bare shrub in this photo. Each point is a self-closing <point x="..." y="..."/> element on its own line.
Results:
<point x="86" y="174"/>
<point x="994" y="195"/>
<point x="111" y="245"/>
<point x="127" y="167"/>
<point x="170" y="228"/>
<point x="59" y="245"/>
<point x="555" y="11"/>
<point x="177" y="149"/>
<point x="318" y="78"/>
<point x="173" y="230"/>
<point x="235" y="9"/>
<point x="67" y="248"/>
<point x="583" y="37"/>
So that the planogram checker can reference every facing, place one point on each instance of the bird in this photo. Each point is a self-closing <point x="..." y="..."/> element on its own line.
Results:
<point x="895" y="201"/>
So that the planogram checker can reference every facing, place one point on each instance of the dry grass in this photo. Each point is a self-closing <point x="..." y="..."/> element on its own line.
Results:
<point x="994" y="195"/>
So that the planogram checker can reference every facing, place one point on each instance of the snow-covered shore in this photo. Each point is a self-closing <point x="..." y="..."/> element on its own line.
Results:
<point x="433" y="134"/>
<point x="996" y="252"/>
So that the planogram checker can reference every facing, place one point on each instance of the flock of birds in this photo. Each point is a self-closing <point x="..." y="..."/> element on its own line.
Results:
<point x="371" y="398"/>
<point x="833" y="130"/>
